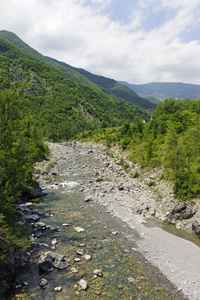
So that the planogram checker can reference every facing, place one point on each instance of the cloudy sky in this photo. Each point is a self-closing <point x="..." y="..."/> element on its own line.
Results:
<point x="137" y="41"/>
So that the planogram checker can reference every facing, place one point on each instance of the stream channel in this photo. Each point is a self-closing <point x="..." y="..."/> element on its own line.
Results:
<point x="125" y="272"/>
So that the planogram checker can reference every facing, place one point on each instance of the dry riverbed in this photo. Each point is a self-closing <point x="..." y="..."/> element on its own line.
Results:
<point x="132" y="200"/>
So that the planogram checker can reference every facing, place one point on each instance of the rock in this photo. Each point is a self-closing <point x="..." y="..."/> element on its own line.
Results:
<point x="188" y="213"/>
<point x="58" y="289"/>
<point x="196" y="226"/>
<point x="80" y="251"/>
<point x="55" y="256"/>
<point x="97" y="272"/>
<point x="46" y="265"/>
<point x="42" y="225"/>
<point x="79" y="229"/>
<point x="43" y="282"/>
<point x="77" y="259"/>
<point x="65" y="224"/>
<point x="83" y="284"/>
<point x="179" y="207"/>
<point x="60" y="264"/>
<point x="36" y="191"/>
<point x="131" y="279"/>
<point x="54" y="242"/>
<point x="33" y="217"/>
<point x="87" y="257"/>
<point x="88" y="199"/>
<point x="114" y="232"/>
<point x="74" y="270"/>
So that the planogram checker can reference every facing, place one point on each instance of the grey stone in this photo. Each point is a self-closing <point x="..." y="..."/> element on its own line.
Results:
<point x="46" y="265"/>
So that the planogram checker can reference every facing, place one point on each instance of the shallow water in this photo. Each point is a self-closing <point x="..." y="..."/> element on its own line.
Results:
<point x="109" y="252"/>
<point x="192" y="237"/>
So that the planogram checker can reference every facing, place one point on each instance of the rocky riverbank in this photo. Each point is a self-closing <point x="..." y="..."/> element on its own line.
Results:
<point x="133" y="200"/>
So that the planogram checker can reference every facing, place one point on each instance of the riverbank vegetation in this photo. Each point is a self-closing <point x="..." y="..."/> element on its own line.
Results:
<point x="170" y="140"/>
<point x="20" y="146"/>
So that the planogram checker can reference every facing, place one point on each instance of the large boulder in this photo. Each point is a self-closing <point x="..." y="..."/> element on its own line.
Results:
<point x="181" y="211"/>
<point x="196" y="226"/>
<point x="35" y="191"/>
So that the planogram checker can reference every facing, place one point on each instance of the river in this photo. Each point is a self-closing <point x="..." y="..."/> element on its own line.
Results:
<point x="126" y="274"/>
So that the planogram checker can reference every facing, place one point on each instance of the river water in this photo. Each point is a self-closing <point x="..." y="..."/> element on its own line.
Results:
<point x="125" y="273"/>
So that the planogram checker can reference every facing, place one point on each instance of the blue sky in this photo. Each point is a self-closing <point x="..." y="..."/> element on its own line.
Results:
<point x="137" y="41"/>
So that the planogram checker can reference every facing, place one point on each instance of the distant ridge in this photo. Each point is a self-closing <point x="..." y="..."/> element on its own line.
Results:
<point x="166" y="90"/>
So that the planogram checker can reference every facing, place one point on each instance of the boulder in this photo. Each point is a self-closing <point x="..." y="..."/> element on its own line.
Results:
<point x="196" y="226"/>
<point x="36" y="191"/>
<point x="60" y="264"/>
<point x="46" y="265"/>
<point x="55" y="256"/>
<point x="179" y="207"/>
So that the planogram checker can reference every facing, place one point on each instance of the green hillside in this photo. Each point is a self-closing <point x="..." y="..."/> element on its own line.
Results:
<point x="60" y="107"/>
<point x="112" y="87"/>
<point x="98" y="83"/>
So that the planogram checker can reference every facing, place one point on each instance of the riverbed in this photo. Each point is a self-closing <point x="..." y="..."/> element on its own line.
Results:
<point x="136" y="262"/>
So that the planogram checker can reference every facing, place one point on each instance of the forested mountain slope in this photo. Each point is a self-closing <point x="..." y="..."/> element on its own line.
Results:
<point x="112" y="87"/>
<point x="98" y="83"/>
<point x="60" y="107"/>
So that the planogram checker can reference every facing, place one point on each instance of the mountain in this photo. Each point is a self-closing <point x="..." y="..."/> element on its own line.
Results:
<point x="100" y="84"/>
<point x="112" y="87"/>
<point x="59" y="107"/>
<point x="166" y="90"/>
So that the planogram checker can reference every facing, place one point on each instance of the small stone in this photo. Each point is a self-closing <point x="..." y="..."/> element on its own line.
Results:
<point x="83" y="284"/>
<point x="120" y="286"/>
<point x="79" y="229"/>
<point x="80" y="251"/>
<point x="60" y="264"/>
<point x="74" y="270"/>
<point x="114" y="232"/>
<point x="77" y="259"/>
<point x="54" y="242"/>
<point x="131" y="279"/>
<point x="97" y="272"/>
<point x="65" y="224"/>
<point x="87" y="257"/>
<point x="58" y="289"/>
<point x="43" y="282"/>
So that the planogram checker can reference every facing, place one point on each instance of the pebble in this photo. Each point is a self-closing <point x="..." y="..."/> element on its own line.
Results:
<point x="74" y="270"/>
<point x="83" y="284"/>
<point x="43" y="282"/>
<point x="80" y="251"/>
<point x="54" y="242"/>
<point x="79" y="229"/>
<point x="87" y="257"/>
<point x="77" y="259"/>
<point x="97" y="272"/>
<point x="58" y="289"/>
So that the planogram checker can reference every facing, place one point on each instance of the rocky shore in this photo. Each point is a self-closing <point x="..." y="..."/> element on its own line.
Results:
<point x="133" y="200"/>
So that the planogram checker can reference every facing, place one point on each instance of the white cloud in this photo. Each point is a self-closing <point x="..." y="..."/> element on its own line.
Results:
<point x="77" y="32"/>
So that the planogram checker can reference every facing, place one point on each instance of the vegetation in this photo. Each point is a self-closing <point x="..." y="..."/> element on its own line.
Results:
<point x="170" y="140"/>
<point x="60" y="107"/>
<point x="20" y="146"/>
<point x="100" y="84"/>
